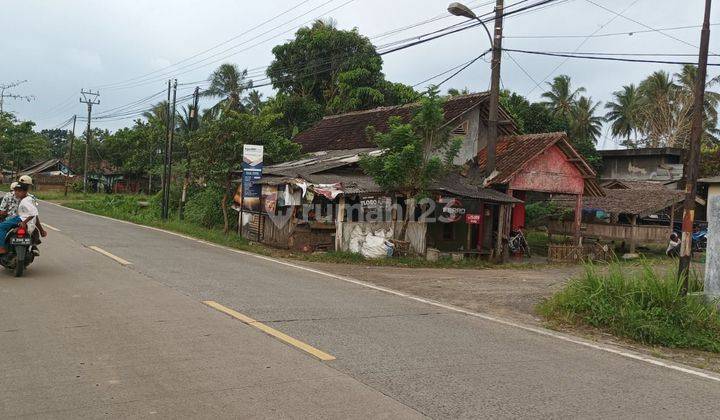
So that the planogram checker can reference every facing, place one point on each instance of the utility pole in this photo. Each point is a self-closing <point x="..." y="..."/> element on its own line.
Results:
<point x="69" y="159"/>
<point x="494" y="88"/>
<point x="6" y="86"/>
<point x="693" y="162"/>
<point x="90" y="98"/>
<point x="168" y="152"/>
<point x="193" y="124"/>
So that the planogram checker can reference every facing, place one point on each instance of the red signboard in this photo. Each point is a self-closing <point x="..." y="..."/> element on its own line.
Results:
<point x="473" y="219"/>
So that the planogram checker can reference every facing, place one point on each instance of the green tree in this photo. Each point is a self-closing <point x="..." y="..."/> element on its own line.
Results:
<point x="216" y="151"/>
<point x="20" y="145"/>
<point x="415" y="153"/>
<point x="254" y="102"/>
<point x="59" y="140"/>
<point x="585" y="124"/>
<point x="624" y="114"/>
<point x="229" y="83"/>
<point x="561" y="97"/>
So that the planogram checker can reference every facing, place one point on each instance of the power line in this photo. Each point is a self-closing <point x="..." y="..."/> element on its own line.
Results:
<point x="626" y="33"/>
<point x="581" y="44"/>
<point x="592" y="57"/>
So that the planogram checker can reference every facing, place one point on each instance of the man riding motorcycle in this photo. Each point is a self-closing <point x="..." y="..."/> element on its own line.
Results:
<point x="23" y="212"/>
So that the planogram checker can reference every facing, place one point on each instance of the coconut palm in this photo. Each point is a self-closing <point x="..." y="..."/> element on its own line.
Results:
<point x="254" y="102"/>
<point x="624" y="114"/>
<point x="584" y="122"/>
<point x="686" y="79"/>
<point x="158" y="113"/>
<point x="228" y="83"/>
<point x="561" y="98"/>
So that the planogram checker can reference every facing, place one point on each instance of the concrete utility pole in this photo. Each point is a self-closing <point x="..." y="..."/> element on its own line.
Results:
<point x="6" y="86"/>
<point x="90" y="98"/>
<point x="693" y="162"/>
<point x="459" y="9"/>
<point x="69" y="160"/>
<point x="168" y="152"/>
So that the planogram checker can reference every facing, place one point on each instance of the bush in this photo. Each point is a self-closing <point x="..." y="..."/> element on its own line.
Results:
<point x="175" y="197"/>
<point x="537" y="214"/>
<point x="640" y="304"/>
<point x="203" y="208"/>
<point x="120" y="206"/>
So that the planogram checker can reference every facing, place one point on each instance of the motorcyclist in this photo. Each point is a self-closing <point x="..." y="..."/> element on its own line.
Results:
<point x="8" y="205"/>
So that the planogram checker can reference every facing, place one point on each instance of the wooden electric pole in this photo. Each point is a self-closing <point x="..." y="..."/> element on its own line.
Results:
<point x="494" y="88"/>
<point x="193" y="124"/>
<point x="90" y="98"/>
<point x="168" y="152"/>
<point x="693" y="162"/>
<point x="70" y="151"/>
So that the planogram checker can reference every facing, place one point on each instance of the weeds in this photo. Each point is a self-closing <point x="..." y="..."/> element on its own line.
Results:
<point x="642" y="304"/>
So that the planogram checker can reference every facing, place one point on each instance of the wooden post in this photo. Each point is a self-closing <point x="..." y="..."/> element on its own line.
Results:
<point x="339" y="225"/>
<point x="500" y="228"/>
<point x="481" y="227"/>
<point x="578" y="219"/>
<point x="633" y="234"/>
<point x="672" y="219"/>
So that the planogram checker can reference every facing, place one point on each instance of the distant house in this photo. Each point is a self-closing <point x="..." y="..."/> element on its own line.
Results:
<point x="545" y="163"/>
<point x="49" y="174"/>
<point x="663" y="165"/>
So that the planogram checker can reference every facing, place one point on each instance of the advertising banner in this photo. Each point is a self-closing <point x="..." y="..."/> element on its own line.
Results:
<point x="252" y="174"/>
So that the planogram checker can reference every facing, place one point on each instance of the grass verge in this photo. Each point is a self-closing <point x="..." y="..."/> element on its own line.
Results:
<point x="644" y="305"/>
<point x="127" y="208"/>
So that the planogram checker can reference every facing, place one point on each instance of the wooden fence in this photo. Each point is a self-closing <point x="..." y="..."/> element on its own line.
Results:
<point x="642" y="233"/>
<point x="578" y="253"/>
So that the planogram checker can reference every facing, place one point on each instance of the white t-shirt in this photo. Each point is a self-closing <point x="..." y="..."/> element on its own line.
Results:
<point x="27" y="208"/>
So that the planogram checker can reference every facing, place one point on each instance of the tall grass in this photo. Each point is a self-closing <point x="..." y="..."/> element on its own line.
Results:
<point x="643" y="304"/>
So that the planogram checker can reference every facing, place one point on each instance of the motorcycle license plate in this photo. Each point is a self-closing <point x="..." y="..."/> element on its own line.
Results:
<point x="20" y="241"/>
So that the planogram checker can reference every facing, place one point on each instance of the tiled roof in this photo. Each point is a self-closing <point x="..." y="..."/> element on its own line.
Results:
<point x="512" y="153"/>
<point x="641" y="202"/>
<point x="348" y="131"/>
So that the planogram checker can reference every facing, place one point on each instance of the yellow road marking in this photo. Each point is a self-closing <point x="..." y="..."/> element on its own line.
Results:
<point x="51" y="227"/>
<point x="111" y="256"/>
<point x="271" y="331"/>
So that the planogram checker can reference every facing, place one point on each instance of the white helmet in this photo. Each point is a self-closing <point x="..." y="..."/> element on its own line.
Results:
<point x="13" y="186"/>
<point x="25" y="179"/>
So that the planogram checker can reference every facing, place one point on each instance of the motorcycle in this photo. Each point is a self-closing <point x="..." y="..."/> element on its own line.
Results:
<point x="699" y="242"/>
<point x="21" y="250"/>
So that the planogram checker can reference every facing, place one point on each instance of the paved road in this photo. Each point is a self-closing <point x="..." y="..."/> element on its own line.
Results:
<point x="83" y="336"/>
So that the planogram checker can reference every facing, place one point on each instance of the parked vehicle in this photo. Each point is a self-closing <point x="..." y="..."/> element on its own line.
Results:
<point x="699" y="242"/>
<point x="518" y="244"/>
<point x="22" y="250"/>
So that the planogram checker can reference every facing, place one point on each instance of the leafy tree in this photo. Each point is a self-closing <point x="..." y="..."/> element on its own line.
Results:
<point x="297" y="113"/>
<point x="585" y="124"/>
<point x="216" y="152"/>
<point x="625" y="114"/>
<point x="229" y="83"/>
<point x="415" y="153"/>
<point x="457" y="92"/>
<point x="59" y="140"/>
<point x="20" y="145"/>
<point x="254" y="102"/>
<point x="561" y="97"/>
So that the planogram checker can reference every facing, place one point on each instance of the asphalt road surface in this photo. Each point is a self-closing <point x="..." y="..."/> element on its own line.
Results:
<point x="127" y="335"/>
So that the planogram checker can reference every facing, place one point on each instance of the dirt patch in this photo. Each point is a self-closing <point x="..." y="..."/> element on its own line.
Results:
<point x="510" y="293"/>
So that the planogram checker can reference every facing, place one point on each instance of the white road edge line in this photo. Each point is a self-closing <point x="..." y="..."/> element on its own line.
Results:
<point x="109" y="255"/>
<point x="536" y="330"/>
<point x="51" y="227"/>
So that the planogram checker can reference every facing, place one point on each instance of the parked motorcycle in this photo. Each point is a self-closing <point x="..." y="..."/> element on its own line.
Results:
<point x="21" y="250"/>
<point x="699" y="242"/>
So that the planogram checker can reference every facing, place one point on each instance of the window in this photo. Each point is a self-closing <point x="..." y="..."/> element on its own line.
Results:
<point x="462" y="129"/>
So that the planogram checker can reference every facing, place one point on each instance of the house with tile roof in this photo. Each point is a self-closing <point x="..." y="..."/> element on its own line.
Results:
<point x="492" y="204"/>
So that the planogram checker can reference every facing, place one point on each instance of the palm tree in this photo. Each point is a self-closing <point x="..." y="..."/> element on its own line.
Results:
<point x="561" y="97"/>
<point x="659" y="108"/>
<point x="686" y="85"/>
<point x="228" y="82"/>
<point x="584" y="123"/>
<point x="158" y="113"/>
<point x="624" y="114"/>
<point x="254" y="102"/>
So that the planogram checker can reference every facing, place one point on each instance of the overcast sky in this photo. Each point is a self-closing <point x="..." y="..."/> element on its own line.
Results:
<point x="63" y="46"/>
